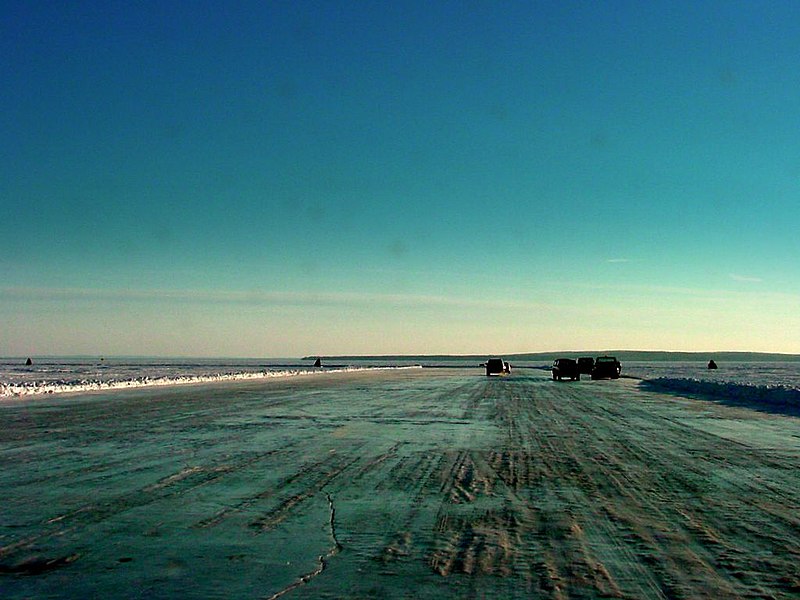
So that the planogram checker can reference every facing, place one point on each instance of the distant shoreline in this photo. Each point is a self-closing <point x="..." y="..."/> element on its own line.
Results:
<point x="623" y="355"/>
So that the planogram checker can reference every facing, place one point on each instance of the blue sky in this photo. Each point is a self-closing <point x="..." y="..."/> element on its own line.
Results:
<point x="281" y="179"/>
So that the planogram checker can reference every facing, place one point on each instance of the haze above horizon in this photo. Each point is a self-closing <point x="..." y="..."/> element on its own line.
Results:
<point x="279" y="179"/>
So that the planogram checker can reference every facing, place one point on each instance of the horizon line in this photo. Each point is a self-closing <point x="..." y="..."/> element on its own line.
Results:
<point x="402" y="355"/>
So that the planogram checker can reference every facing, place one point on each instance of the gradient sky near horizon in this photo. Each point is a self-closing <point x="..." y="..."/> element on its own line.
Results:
<point x="290" y="178"/>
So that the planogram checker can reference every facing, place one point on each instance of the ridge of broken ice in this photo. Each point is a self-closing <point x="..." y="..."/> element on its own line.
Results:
<point x="85" y="385"/>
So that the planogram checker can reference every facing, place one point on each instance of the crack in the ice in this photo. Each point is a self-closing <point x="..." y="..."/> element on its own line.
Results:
<point x="322" y="559"/>
<point x="337" y="547"/>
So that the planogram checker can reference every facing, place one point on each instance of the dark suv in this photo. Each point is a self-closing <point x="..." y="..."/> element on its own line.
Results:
<point x="605" y="367"/>
<point x="495" y="366"/>
<point x="565" y="367"/>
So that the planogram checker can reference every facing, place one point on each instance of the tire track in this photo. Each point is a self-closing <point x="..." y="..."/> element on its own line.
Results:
<point x="313" y="483"/>
<point x="606" y="508"/>
<point x="311" y="470"/>
<point x="176" y="484"/>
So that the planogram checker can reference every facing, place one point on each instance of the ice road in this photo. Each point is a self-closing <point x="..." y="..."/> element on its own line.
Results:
<point x="424" y="483"/>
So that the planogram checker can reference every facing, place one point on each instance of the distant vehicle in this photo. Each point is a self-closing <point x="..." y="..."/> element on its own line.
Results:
<point x="565" y="367"/>
<point x="507" y="368"/>
<point x="495" y="366"/>
<point x="606" y="367"/>
<point x="711" y="364"/>
<point x="585" y="364"/>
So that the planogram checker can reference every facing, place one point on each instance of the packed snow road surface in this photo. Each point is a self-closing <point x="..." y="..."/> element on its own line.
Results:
<point x="426" y="484"/>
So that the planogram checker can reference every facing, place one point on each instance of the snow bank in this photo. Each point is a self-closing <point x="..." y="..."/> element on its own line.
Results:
<point x="766" y="395"/>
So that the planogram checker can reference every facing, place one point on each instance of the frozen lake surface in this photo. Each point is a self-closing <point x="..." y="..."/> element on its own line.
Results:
<point x="431" y="483"/>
